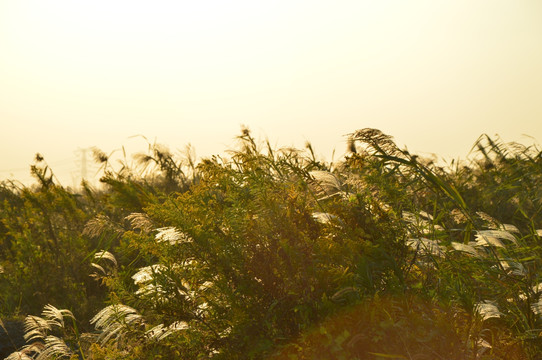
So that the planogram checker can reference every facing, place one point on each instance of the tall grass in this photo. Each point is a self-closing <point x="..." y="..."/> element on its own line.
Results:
<point x="272" y="253"/>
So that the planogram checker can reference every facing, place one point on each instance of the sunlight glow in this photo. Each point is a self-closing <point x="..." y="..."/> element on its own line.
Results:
<point x="76" y="74"/>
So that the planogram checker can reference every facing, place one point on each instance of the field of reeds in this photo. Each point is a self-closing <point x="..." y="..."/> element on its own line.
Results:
<point x="270" y="253"/>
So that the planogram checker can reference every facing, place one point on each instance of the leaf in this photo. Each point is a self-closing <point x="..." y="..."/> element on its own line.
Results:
<point x="388" y="356"/>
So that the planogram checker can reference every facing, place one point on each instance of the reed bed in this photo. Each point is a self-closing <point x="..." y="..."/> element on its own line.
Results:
<point x="273" y="254"/>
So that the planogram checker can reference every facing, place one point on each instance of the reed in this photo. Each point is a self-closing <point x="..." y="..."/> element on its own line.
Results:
<point x="270" y="253"/>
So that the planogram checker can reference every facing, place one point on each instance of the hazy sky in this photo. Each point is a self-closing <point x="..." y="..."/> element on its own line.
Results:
<point x="434" y="74"/>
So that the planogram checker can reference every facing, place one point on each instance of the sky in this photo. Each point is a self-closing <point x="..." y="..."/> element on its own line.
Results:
<point x="119" y="74"/>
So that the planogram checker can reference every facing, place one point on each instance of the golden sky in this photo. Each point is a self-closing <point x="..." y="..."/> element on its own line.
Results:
<point x="434" y="74"/>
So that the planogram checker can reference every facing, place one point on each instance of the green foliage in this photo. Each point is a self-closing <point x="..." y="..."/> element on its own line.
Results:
<point x="42" y="248"/>
<point x="271" y="253"/>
